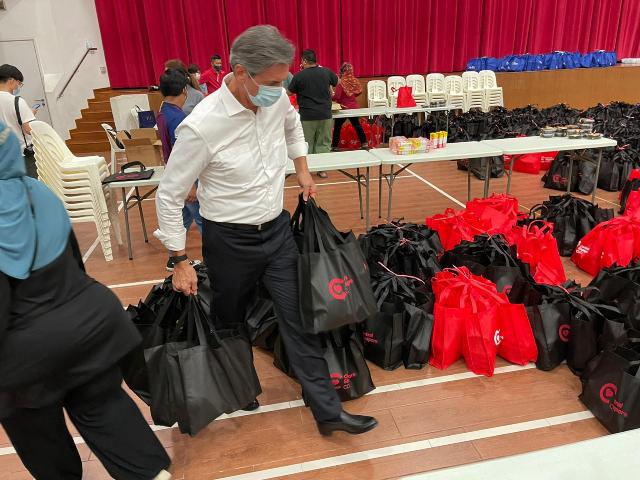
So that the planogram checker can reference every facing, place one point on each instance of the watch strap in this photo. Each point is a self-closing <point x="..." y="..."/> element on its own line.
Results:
<point x="178" y="258"/>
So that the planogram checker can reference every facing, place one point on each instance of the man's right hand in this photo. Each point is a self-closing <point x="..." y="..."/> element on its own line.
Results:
<point x="185" y="279"/>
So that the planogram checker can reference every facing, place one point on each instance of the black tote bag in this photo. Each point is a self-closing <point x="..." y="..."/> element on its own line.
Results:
<point x="612" y="389"/>
<point x="262" y="323"/>
<point x="195" y="380"/>
<point x="333" y="276"/>
<point x="418" y="327"/>
<point x="383" y="336"/>
<point x="350" y="375"/>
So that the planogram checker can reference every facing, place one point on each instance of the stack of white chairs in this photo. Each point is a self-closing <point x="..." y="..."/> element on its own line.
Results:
<point x="492" y="92"/>
<point x="455" y="93"/>
<point x="115" y="149"/>
<point x="394" y="84"/>
<point x="474" y="93"/>
<point x="418" y="88"/>
<point x="435" y="88"/>
<point x="377" y="94"/>
<point x="77" y="181"/>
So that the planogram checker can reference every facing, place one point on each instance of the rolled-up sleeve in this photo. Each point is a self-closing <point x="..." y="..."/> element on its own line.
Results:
<point x="189" y="157"/>
<point x="296" y="144"/>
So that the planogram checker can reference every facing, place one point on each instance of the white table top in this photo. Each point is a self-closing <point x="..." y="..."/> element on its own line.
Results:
<point x="319" y="162"/>
<point x="154" y="181"/>
<point x="368" y="112"/>
<point x="453" y="151"/>
<point x="359" y="112"/>
<point x="515" y="146"/>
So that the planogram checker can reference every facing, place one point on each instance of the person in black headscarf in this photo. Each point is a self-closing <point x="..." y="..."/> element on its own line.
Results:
<point x="62" y="335"/>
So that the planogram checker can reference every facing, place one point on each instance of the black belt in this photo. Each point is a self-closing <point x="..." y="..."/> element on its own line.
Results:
<point x="244" y="226"/>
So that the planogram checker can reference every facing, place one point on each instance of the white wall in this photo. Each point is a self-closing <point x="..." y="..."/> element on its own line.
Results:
<point x="61" y="30"/>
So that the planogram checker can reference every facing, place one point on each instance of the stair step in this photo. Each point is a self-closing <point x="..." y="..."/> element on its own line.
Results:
<point x="102" y="117"/>
<point x="88" y="147"/>
<point x="88" y="136"/>
<point x="105" y="95"/>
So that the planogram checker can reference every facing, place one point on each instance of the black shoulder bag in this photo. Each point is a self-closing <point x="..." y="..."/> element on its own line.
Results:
<point x="29" y="154"/>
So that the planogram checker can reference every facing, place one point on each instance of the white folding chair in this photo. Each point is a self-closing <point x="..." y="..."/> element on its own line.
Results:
<point x="77" y="181"/>
<point x="493" y="96"/>
<point x="474" y="94"/>
<point x="394" y="84"/>
<point x="435" y="88"/>
<point x="454" y="91"/>
<point x="115" y="149"/>
<point x="418" y="88"/>
<point x="377" y="94"/>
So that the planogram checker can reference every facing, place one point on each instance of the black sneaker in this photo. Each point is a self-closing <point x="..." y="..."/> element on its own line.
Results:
<point x="170" y="264"/>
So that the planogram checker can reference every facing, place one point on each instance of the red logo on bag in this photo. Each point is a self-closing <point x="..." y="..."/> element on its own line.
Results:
<point x="369" y="338"/>
<point x="497" y="338"/>
<point x="563" y="332"/>
<point x="339" y="287"/>
<point x="507" y="289"/>
<point x="607" y="392"/>
<point x="342" y="381"/>
<point x="559" y="179"/>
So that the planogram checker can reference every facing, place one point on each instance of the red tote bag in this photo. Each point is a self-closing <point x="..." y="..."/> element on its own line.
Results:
<point x="481" y="337"/>
<point x="446" y="338"/>
<point x="405" y="98"/>
<point x="517" y="343"/>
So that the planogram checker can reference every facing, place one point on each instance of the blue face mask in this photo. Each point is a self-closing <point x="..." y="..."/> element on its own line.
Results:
<point x="266" y="95"/>
<point x="17" y="91"/>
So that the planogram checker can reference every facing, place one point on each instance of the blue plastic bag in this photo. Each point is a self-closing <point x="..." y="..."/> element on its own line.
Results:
<point x="534" y="63"/>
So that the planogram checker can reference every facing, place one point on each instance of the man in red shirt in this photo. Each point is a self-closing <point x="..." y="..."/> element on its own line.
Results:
<point x="212" y="77"/>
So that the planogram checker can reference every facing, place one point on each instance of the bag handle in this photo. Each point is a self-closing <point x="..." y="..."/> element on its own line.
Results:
<point x="133" y="164"/>
<point x="16" y="104"/>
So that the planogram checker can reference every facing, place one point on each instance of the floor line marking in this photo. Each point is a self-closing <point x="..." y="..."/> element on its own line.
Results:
<point x="274" y="407"/>
<point x="135" y="284"/>
<point x="437" y="189"/>
<point x="408" y="447"/>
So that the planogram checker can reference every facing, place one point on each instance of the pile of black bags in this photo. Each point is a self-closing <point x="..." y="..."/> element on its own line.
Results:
<point x="186" y="370"/>
<point x="572" y="219"/>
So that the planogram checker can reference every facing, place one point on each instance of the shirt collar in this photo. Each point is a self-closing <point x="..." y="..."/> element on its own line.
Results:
<point x="231" y="103"/>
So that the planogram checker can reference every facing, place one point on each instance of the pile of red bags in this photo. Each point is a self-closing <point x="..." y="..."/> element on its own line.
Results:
<point x="474" y="321"/>
<point x="536" y="246"/>
<point x="531" y="162"/>
<point x="495" y="214"/>
<point x="616" y="241"/>
<point x="349" y="139"/>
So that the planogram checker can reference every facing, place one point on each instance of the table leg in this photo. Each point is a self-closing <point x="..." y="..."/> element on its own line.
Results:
<point x="513" y="160"/>
<point x="468" y="180"/>
<point x="570" y="174"/>
<point x="380" y="191"/>
<point x="144" y="227"/>
<point x="367" y="222"/>
<point x="595" y="187"/>
<point x="359" y="192"/>
<point x="125" y="207"/>
<point x="391" y="180"/>
<point x="487" y="178"/>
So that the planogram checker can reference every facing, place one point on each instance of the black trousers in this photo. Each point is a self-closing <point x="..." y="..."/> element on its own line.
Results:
<point x="108" y="420"/>
<point x="337" y="127"/>
<point x="237" y="260"/>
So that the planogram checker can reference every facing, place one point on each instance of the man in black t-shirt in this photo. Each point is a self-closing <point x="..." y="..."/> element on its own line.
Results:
<point x="313" y="87"/>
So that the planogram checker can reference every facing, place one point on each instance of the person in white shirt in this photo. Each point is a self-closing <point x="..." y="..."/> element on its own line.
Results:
<point x="11" y="81"/>
<point x="236" y="142"/>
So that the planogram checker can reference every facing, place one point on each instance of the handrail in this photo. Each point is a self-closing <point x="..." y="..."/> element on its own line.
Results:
<point x="89" y="50"/>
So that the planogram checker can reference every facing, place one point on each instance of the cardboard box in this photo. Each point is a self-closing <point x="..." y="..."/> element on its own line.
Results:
<point x="144" y="146"/>
<point x="155" y="100"/>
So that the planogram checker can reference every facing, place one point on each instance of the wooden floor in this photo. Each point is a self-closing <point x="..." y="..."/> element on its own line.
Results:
<point x="429" y="419"/>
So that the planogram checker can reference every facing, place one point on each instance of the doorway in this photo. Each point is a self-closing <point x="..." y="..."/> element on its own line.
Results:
<point x="23" y="55"/>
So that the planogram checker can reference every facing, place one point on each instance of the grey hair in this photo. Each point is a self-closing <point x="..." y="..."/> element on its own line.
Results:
<point x="259" y="48"/>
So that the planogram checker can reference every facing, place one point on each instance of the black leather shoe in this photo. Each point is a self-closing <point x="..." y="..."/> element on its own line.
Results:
<point x="354" y="424"/>
<point x="252" y="406"/>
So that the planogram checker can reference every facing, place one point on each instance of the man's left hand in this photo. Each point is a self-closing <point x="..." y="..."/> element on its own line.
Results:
<point x="307" y="185"/>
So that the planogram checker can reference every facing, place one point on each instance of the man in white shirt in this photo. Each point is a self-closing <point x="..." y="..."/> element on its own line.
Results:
<point x="236" y="142"/>
<point x="11" y="80"/>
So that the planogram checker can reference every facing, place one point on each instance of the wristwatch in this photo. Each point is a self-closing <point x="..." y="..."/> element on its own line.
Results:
<point x="179" y="258"/>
